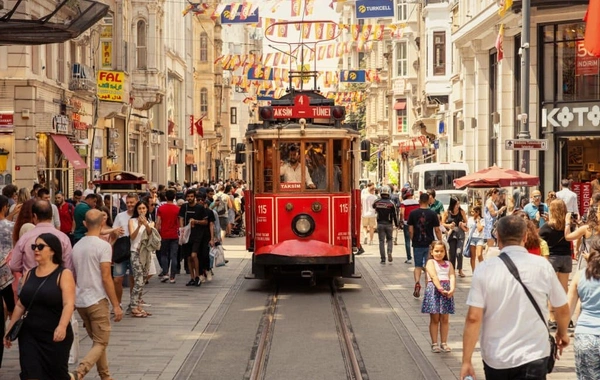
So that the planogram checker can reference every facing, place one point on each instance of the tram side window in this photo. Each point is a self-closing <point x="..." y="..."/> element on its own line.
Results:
<point x="337" y="166"/>
<point x="316" y="161"/>
<point x="291" y="168"/>
<point x="268" y="166"/>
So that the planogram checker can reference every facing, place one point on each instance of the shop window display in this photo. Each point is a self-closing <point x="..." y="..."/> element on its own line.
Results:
<point x="570" y="72"/>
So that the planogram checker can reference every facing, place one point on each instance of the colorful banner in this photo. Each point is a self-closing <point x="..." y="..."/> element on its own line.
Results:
<point x="227" y="17"/>
<point x="111" y="86"/>
<point x="374" y="8"/>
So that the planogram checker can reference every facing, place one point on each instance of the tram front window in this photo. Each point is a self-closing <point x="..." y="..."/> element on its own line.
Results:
<point x="291" y="169"/>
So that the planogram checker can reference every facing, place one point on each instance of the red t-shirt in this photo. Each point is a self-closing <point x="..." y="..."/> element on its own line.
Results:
<point x="66" y="213"/>
<point x="169" y="221"/>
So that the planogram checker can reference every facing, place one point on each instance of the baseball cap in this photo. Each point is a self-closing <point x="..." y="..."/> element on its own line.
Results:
<point x="385" y="190"/>
<point x="536" y="193"/>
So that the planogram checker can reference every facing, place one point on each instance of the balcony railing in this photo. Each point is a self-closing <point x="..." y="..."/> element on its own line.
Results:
<point x="82" y="79"/>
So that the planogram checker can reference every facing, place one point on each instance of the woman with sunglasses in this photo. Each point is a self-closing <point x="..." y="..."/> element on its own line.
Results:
<point x="48" y="294"/>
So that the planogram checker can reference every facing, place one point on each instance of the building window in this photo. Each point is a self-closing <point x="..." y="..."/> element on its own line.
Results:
<point x="132" y="156"/>
<point x="204" y="100"/>
<point x="569" y="72"/>
<point x="401" y="10"/>
<point x="439" y="53"/>
<point x="35" y="59"/>
<point x="233" y="144"/>
<point x="50" y="61"/>
<point x="233" y="115"/>
<point x="402" y="120"/>
<point x="203" y="47"/>
<point x="60" y="63"/>
<point x="142" y="45"/>
<point x="401" y="59"/>
<point x="458" y="127"/>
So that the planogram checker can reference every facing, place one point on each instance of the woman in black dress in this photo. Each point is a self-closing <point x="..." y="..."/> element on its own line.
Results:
<point x="46" y="336"/>
<point x="455" y="221"/>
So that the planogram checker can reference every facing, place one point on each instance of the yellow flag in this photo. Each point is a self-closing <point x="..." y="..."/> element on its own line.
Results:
<point x="505" y="5"/>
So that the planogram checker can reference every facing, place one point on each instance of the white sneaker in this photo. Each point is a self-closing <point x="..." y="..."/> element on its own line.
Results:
<point x="208" y="276"/>
<point x="365" y="241"/>
<point x="202" y="279"/>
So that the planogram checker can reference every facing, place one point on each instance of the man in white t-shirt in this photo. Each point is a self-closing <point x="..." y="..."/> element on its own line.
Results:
<point x="369" y="216"/>
<point x="568" y="196"/>
<point x="120" y="269"/>
<point x="514" y="339"/>
<point x="91" y="189"/>
<point x="92" y="257"/>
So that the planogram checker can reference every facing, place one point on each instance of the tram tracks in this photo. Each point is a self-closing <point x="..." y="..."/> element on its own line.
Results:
<point x="261" y="351"/>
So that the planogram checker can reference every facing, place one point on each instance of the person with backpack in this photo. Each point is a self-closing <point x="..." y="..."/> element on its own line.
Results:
<point x="221" y="204"/>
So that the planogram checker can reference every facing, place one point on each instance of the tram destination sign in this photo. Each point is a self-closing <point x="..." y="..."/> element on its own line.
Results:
<point x="291" y="112"/>
<point x="521" y="144"/>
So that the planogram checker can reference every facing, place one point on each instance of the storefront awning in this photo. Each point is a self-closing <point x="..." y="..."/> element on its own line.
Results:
<point x="400" y="105"/>
<point x="65" y="146"/>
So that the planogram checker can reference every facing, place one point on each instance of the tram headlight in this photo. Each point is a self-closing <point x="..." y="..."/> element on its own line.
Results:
<point x="303" y="225"/>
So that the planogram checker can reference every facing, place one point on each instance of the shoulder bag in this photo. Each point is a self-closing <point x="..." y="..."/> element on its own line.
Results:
<point x="121" y="249"/>
<point x="13" y="333"/>
<point x="515" y="272"/>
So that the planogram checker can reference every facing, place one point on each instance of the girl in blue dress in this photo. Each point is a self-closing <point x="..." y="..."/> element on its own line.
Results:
<point x="439" y="295"/>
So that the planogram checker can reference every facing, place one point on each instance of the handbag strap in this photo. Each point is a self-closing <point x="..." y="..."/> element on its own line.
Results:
<point x="515" y="272"/>
<point x="35" y="294"/>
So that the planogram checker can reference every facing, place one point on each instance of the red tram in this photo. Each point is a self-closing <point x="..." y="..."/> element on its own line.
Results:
<point x="302" y="205"/>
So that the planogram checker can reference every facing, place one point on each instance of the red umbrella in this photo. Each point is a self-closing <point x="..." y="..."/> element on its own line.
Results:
<point x="496" y="177"/>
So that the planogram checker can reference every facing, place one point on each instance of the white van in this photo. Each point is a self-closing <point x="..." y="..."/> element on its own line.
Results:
<point x="438" y="176"/>
<point x="441" y="176"/>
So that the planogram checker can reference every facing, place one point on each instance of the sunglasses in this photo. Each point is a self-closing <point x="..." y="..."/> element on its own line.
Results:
<point x="537" y="196"/>
<point x="38" y="247"/>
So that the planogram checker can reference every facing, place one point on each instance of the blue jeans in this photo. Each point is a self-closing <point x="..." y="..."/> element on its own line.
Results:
<point x="168" y="255"/>
<point x="536" y="369"/>
<point x="421" y="256"/>
<point x="385" y="233"/>
<point x="407" y="243"/>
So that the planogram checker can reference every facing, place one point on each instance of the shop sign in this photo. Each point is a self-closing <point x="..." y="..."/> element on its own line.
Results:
<point x="399" y="86"/>
<point x="584" y="195"/>
<point x="111" y="86"/>
<point x="106" y="54"/>
<point x="374" y="9"/>
<point x="570" y="116"/>
<point x="6" y="121"/>
<point x="585" y="62"/>
<point x="60" y="124"/>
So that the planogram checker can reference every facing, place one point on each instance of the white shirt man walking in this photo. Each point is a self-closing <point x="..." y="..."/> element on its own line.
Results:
<point x="568" y="196"/>
<point x="92" y="258"/>
<point x="514" y="339"/>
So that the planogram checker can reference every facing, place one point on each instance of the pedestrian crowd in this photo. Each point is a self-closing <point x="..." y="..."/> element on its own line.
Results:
<point x="79" y="253"/>
<point x="519" y="292"/>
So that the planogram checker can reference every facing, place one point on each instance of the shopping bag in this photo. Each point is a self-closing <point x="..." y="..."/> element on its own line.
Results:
<point x="74" y="352"/>
<point x="218" y="255"/>
<point x="184" y="234"/>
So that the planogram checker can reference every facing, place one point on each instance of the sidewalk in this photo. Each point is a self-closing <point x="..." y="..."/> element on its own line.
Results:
<point x="396" y="282"/>
<point x="156" y="347"/>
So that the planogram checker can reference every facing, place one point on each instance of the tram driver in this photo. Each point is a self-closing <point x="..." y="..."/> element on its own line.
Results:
<point x="291" y="170"/>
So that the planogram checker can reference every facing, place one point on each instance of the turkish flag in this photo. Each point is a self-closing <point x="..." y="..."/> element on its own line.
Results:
<point x="191" y="125"/>
<point x="592" y="28"/>
<point x="199" y="128"/>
